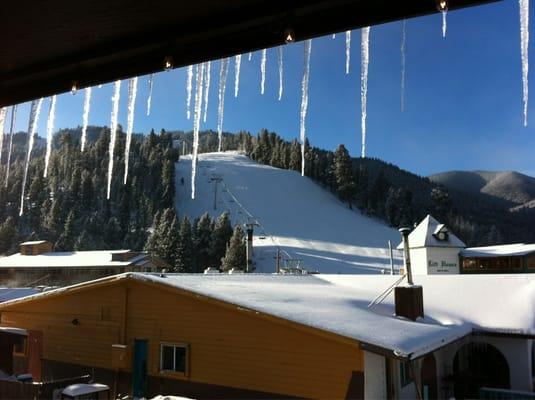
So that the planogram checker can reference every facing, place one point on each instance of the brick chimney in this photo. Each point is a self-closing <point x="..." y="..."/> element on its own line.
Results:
<point x="409" y="300"/>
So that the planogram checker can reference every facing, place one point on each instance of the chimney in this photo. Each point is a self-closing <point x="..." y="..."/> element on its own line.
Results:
<point x="409" y="299"/>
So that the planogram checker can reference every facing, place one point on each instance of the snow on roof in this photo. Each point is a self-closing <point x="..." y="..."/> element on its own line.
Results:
<point x="74" y="259"/>
<point x="79" y="389"/>
<point x="7" y="294"/>
<point x="33" y="242"/>
<point x="504" y="250"/>
<point x="14" y="331"/>
<point x="339" y="304"/>
<point x="423" y="236"/>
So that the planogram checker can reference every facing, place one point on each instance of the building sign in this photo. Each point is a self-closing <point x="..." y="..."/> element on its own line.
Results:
<point x="442" y="266"/>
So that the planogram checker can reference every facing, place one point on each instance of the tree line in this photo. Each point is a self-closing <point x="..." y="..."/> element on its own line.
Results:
<point x="380" y="189"/>
<point x="193" y="247"/>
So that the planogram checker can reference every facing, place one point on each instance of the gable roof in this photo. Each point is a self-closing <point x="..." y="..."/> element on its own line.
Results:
<point x="423" y="236"/>
<point x="338" y="304"/>
<point x="32" y="242"/>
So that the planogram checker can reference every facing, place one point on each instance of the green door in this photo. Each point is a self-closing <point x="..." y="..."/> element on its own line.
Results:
<point x="139" y="370"/>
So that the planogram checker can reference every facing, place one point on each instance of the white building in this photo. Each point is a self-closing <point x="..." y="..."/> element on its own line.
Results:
<point x="434" y="249"/>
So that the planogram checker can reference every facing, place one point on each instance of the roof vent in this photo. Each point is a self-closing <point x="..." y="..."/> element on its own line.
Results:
<point x="409" y="300"/>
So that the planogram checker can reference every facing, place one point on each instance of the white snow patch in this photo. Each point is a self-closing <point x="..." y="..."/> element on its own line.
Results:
<point x="295" y="214"/>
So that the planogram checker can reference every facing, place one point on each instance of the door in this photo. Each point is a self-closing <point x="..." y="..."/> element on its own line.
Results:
<point x="429" y="378"/>
<point x="35" y="354"/>
<point x="139" y="370"/>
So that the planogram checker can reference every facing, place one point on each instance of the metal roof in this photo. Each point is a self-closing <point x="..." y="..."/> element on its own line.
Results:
<point x="46" y="46"/>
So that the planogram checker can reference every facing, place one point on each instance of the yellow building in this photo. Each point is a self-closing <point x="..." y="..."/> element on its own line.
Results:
<point x="247" y="336"/>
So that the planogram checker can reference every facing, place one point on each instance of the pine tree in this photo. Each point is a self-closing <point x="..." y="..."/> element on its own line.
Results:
<point x="67" y="238"/>
<point x="220" y="237"/>
<point x="377" y="195"/>
<point x="235" y="255"/>
<point x="9" y="235"/>
<point x="184" y="260"/>
<point x="344" y="175"/>
<point x="202" y="242"/>
<point x="295" y="156"/>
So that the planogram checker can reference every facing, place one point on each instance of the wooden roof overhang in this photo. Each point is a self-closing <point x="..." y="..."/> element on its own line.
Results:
<point x="48" y="45"/>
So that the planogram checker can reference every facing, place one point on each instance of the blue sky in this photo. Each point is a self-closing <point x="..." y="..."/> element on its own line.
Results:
<point x="463" y="99"/>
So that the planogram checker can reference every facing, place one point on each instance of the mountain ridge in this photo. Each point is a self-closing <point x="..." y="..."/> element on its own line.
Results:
<point x="510" y="186"/>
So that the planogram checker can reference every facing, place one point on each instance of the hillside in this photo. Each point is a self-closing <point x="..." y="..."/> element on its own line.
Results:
<point x="510" y="186"/>
<point x="294" y="213"/>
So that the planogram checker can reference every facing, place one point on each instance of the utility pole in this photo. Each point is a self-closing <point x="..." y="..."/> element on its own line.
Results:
<point x="216" y="179"/>
<point x="391" y="258"/>
<point x="278" y="261"/>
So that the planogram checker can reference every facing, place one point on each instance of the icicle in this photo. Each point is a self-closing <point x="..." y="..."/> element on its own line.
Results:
<point x="304" y="101"/>
<point x="348" y="50"/>
<point x="237" y="68"/>
<point x="113" y="131"/>
<point x="196" y="125"/>
<point x="403" y="49"/>
<point x="11" y="133"/>
<point x="263" y="71"/>
<point x="281" y="67"/>
<point x="3" y="113"/>
<point x="85" y="118"/>
<point x="444" y="22"/>
<point x="49" y="132"/>
<point x="524" y="40"/>
<point x="188" y="90"/>
<point x="132" y="93"/>
<point x="365" y="59"/>
<point x="250" y="56"/>
<point x="32" y="128"/>
<point x="223" y="72"/>
<point x="207" y="78"/>
<point x="149" y="98"/>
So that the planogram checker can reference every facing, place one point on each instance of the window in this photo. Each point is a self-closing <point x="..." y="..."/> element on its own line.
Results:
<point x="404" y="374"/>
<point x="174" y="358"/>
<point x="19" y="347"/>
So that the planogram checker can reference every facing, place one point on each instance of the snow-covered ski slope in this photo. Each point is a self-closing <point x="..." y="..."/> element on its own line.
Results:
<point x="294" y="214"/>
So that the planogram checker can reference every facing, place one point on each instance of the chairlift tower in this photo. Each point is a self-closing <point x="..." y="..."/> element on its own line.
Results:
<point x="216" y="179"/>
<point x="249" y="228"/>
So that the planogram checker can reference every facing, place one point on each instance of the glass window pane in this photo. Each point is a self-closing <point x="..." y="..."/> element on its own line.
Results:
<point x="167" y="358"/>
<point x="180" y="357"/>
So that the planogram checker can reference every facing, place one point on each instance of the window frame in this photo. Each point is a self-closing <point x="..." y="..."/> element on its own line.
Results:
<point x="182" y="345"/>
<point x="24" y="352"/>
<point x="405" y="377"/>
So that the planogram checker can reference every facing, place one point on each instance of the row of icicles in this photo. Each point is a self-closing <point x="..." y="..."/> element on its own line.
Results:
<point x="202" y="74"/>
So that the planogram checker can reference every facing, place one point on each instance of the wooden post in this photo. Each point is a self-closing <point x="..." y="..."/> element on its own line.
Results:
<point x="391" y="258"/>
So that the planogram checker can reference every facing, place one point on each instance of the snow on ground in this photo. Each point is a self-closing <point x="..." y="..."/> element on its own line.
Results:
<point x="294" y="213"/>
